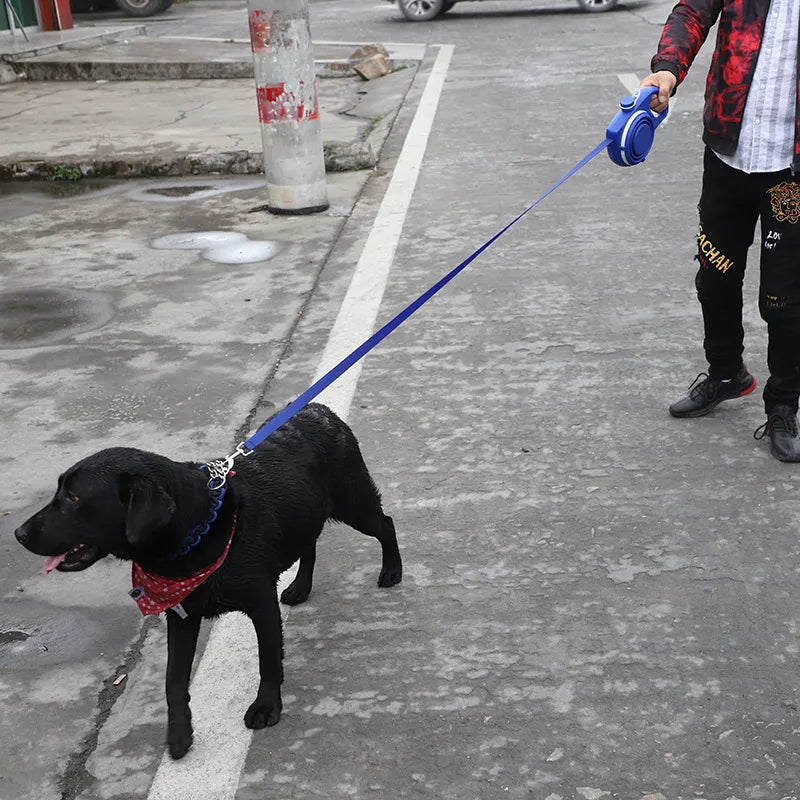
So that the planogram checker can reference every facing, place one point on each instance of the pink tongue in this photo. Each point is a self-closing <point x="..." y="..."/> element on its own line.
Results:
<point x="51" y="562"/>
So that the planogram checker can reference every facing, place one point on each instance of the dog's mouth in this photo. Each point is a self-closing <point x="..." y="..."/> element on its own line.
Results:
<point x="79" y="557"/>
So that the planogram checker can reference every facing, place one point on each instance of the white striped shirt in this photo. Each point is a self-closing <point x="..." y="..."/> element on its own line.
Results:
<point x="766" y="140"/>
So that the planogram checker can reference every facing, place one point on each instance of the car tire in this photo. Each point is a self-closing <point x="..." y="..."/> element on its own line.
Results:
<point x="448" y="4"/>
<point x="140" y="8"/>
<point x="595" y="6"/>
<point x="421" y="10"/>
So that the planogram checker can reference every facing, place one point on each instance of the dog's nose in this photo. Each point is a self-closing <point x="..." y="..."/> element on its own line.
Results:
<point x="22" y="534"/>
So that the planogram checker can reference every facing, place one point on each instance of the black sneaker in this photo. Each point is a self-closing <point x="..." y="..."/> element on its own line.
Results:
<point x="781" y="427"/>
<point x="706" y="393"/>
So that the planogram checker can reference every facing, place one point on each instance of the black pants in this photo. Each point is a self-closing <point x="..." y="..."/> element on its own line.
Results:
<point x="730" y="204"/>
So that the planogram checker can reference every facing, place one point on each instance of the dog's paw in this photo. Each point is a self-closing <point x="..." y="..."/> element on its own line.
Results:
<point x="390" y="575"/>
<point x="295" y="593"/>
<point x="262" y="714"/>
<point x="179" y="740"/>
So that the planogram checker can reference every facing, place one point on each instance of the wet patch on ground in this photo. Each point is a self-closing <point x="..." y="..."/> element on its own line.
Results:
<point x="43" y="316"/>
<point x="182" y="190"/>
<point x="18" y="199"/>
<point x="34" y="635"/>
<point x="57" y="189"/>
<point x="8" y="637"/>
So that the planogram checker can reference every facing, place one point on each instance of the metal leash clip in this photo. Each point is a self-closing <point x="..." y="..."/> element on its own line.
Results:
<point x="220" y="468"/>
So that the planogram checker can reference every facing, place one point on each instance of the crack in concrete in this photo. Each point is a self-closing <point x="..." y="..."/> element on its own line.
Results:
<point x="42" y="96"/>
<point x="184" y="114"/>
<point x="76" y="778"/>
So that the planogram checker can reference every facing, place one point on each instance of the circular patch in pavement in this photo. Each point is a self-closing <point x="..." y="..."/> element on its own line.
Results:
<point x="42" y="316"/>
<point x="222" y="247"/>
<point x="249" y="252"/>
<point x="35" y="635"/>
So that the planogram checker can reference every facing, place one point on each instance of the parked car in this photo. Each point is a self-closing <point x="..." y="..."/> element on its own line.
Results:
<point x="133" y="8"/>
<point x="423" y="10"/>
<point x="142" y="8"/>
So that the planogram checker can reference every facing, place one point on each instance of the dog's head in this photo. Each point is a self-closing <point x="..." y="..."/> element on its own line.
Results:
<point x="109" y="503"/>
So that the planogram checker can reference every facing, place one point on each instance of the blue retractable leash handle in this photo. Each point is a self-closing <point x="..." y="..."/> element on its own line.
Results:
<point x="628" y="140"/>
<point x="630" y="133"/>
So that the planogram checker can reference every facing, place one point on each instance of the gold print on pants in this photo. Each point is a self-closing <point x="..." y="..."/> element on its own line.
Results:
<point x="709" y="255"/>
<point x="785" y="201"/>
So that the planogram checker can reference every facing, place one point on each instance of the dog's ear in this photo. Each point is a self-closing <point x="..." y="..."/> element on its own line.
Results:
<point x="150" y="509"/>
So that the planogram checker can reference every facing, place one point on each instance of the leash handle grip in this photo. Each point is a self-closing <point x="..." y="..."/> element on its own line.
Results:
<point x="631" y="131"/>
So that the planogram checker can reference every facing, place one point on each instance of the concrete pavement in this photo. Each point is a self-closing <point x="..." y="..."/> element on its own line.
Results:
<point x="167" y="127"/>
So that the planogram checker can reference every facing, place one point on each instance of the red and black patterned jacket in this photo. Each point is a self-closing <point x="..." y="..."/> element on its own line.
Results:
<point x="741" y="28"/>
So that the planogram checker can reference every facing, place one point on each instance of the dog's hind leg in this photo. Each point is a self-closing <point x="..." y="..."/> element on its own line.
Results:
<point x="265" y="710"/>
<point x="364" y="513"/>
<point x="356" y="501"/>
<point x="181" y="645"/>
<point x="392" y="565"/>
<point x="298" y="590"/>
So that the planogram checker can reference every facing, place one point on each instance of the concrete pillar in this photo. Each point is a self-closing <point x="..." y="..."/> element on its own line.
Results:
<point x="288" y="106"/>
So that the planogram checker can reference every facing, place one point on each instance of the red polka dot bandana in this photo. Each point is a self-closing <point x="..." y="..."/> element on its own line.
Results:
<point x="156" y="593"/>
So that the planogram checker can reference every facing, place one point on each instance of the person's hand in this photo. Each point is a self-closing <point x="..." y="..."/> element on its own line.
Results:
<point x="665" y="81"/>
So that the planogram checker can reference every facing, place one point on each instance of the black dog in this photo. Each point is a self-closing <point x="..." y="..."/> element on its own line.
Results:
<point x="163" y="516"/>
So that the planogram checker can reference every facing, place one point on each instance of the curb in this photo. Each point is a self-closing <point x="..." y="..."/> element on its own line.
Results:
<point x="92" y="70"/>
<point x="138" y="71"/>
<point x="93" y="39"/>
<point x="339" y="157"/>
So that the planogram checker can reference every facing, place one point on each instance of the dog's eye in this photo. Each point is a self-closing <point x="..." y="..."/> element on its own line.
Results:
<point x="71" y="498"/>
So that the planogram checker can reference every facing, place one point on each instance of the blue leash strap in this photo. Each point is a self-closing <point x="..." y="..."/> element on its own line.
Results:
<point x="329" y="377"/>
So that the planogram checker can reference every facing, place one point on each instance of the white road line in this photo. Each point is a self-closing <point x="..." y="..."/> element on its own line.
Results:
<point x="629" y="81"/>
<point x="227" y="675"/>
<point x="356" y="319"/>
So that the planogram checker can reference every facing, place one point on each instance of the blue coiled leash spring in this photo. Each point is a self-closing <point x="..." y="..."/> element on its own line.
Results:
<point x="629" y="137"/>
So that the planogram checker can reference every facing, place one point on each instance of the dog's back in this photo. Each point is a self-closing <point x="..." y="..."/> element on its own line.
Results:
<point x="308" y="471"/>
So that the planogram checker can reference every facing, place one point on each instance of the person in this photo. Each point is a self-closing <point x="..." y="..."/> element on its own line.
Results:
<point x="751" y="130"/>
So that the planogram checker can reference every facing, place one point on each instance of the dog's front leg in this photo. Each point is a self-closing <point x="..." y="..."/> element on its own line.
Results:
<point x="181" y="645"/>
<point x="265" y="710"/>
